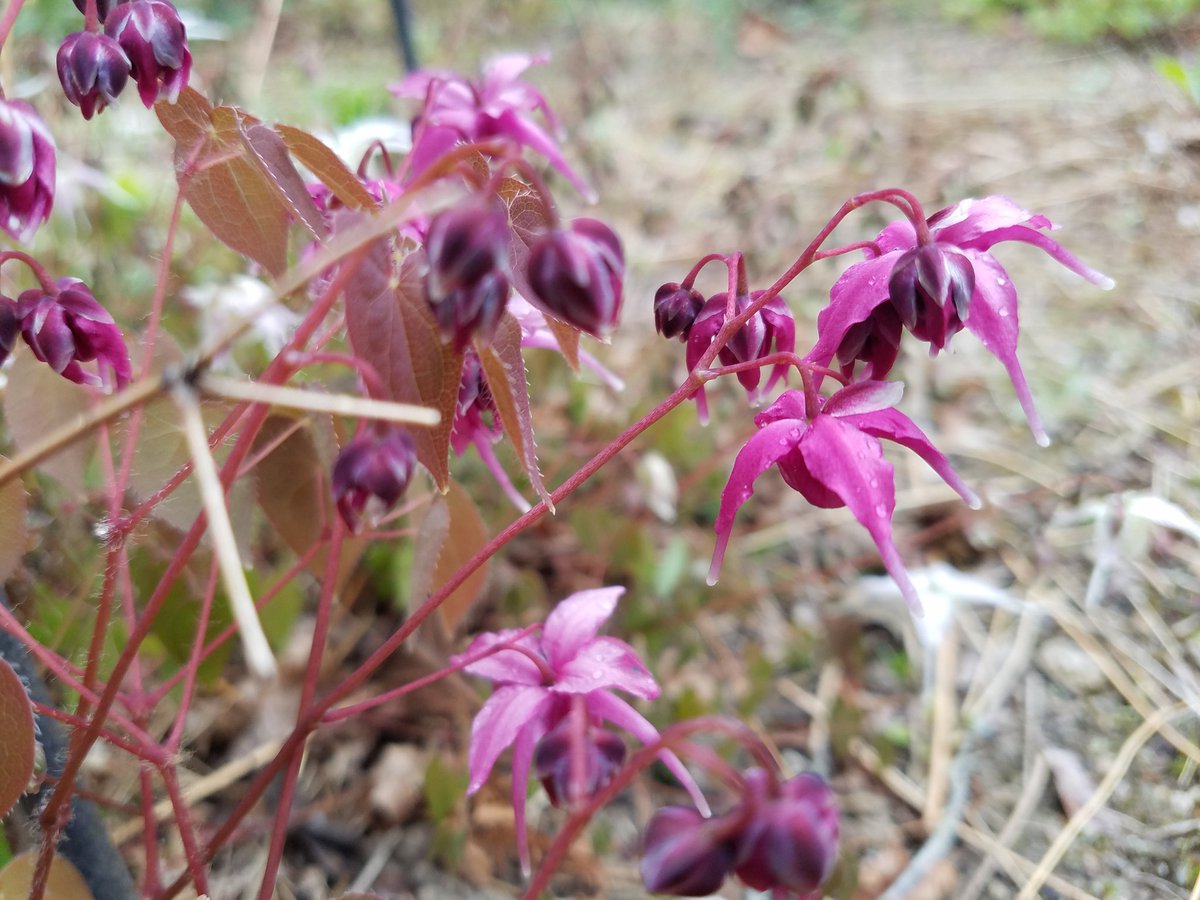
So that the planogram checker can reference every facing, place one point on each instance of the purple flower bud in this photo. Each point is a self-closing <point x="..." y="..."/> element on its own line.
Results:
<point x="102" y="7"/>
<point x="153" y="37"/>
<point x="675" y="310"/>
<point x="685" y="854"/>
<point x="790" y="843"/>
<point x="922" y="282"/>
<point x="10" y="327"/>
<point x="603" y="755"/>
<point x="375" y="465"/>
<point x="68" y="327"/>
<point x="26" y="170"/>
<point x="576" y="274"/>
<point x="93" y="70"/>
<point x="771" y="329"/>
<point x="466" y="285"/>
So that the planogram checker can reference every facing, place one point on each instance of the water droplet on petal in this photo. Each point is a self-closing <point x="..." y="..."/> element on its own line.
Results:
<point x="881" y="509"/>
<point x="598" y="674"/>
<point x="1003" y="313"/>
<point x="874" y="482"/>
<point x="1001" y="282"/>
<point x="870" y="281"/>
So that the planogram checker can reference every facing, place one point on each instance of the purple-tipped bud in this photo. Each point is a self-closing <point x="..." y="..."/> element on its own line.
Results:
<point x="10" y="327"/>
<point x="69" y="327"/>
<point x="576" y="275"/>
<point x="603" y="755"/>
<point x="102" y="7"/>
<point x="27" y="166"/>
<point x="675" y="309"/>
<point x="771" y="329"/>
<point x="685" y="854"/>
<point x="93" y="70"/>
<point x="466" y="285"/>
<point x="874" y="341"/>
<point x="375" y="466"/>
<point x="153" y="37"/>
<point x="790" y="843"/>
<point x="931" y="287"/>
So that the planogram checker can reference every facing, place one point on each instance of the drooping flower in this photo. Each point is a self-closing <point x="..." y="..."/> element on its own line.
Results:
<point x="102" y="7"/>
<point x="67" y="327"/>
<point x="153" y="37"/>
<point x="675" y="309"/>
<point x="27" y="168"/>
<point x="93" y="70"/>
<point x="575" y="274"/>
<point x="466" y="285"/>
<point x="10" y="327"/>
<point x="832" y="457"/>
<point x="498" y="105"/>
<point x="951" y="283"/>
<point x="566" y="673"/>
<point x="770" y="330"/>
<point x="685" y="854"/>
<point x="376" y="466"/>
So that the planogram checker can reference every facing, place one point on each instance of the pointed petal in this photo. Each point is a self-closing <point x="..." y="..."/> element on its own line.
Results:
<point x="504" y="666"/>
<point x="602" y="664"/>
<point x="789" y="405"/>
<point x="522" y="762"/>
<point x="898" y="235"/>
<point x="994" y="321"/>
<point x="575" y="621"/>
<point x="774" y="440"/>
<point x="896" y="426"/>
<point x="864" y="397"/>
<point x="1054" y="249"/>
<point x="615" y="710"/>
<point x="496" y="725"/>
<point x="972" y="223"/>
<point x="852" y="299"/>
<point x="850" y="463"/>
<point x="525" y="131"/>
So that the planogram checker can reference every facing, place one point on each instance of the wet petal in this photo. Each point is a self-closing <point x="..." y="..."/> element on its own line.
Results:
<point x="864" y="397"/>
<point x="1055" y="250"/>
<point x="504" y="666"/>
<point x="575" y="621"/>
<point x="522" y="762"/>
<point x="509" y="709"/>
<point x="972" y="223"/>
<point x="852" y="299"/>
<point x="606" y="663"/>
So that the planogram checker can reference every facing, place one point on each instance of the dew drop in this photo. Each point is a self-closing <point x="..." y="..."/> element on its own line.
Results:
<point x="874" y="482"/>
<point x="870" y="281"/>
<point x="598" y="674"/>
<point x="1004" y="313"/>
<point x="881" y="509"/>
<point x="1001" y="281"/>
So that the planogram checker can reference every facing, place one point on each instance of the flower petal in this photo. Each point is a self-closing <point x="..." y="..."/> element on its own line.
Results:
<point x="972" y="223"/>
<point x="896" y="426"/>
<point x="764" y="449"/>
<point x="852" y="299"/>
<point x="1054" y="249"/>
<point x="994" y="321"/>
<point x="602" y="664"/>
<point x="864" y="397"/>
<point x="575" y="621"/>
<point x="497" y="724"/>
<point x="504" y="666"/>
<point x="522" y="762"/>
<point x="850" y="463"/>
<point x="615" y="710"/>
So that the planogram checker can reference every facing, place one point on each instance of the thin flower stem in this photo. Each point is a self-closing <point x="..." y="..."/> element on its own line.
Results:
<point x="149" y="833"/>
<point x="873" y="247"/>
<point x="187" y="830"/>
<point x="192" y="670"/>
<point x="366" y="371"/>
<point x="134" y="747"/>
<point x="38" y="270"/>
<point x="780" y="358"/>
<point x="690" y="278"/>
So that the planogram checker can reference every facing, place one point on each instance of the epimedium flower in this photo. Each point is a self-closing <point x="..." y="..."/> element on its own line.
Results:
<point x="466" y="285"/>
<point x="567" y="674"/>
<point x="936" y="289"/>
<point x="93" y="70"/>
<point x="497" y="105"/>
<point x="27" y="169"/>
<point x="155" y="41"/>
<point x="770" y="330"/>
<point x="675" y="309"/>
<point x="66" y="327"/>
<point x="575" y="274"/>
<point x="376" y="466"/>
<point x="832" y="456"/>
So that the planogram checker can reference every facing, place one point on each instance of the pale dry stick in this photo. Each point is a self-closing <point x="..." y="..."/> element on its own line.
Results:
<point x="1104" y="790"/>
<point x="1195" y="894"/>
<point x="1014" y="665"/>
<point x="1188" y="690"/>
<point x="202" y="788"/>
<point x="1031" y="792"/>
<point x="912" y="795"/>
<point x="995" y="647"/>
<point x="315" y="401"/>
<point x="259" y="658"/>
<point x="945" y="715"/>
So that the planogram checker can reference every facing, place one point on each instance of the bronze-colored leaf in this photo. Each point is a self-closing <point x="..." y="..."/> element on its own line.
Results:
<point x="391" y="327"/>
<point x="327" y="166"/>
<point x="63" y="883"/>
<point x="450" y="534"/>
<point x="17" y="741"/>
<point x="504" y="370"/>
<point x="39" y="400"/>
<point x="13" y="532"/>
<point x="273" y="156"/>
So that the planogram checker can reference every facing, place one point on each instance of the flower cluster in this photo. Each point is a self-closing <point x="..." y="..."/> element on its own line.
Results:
<point x="778" y="837"/>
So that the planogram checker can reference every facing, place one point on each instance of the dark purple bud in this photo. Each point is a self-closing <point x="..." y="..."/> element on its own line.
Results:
<point x="10" y="327"/>
<point x="102" y="7"/>
<point x="68" y="327"/>
<point x="675" y="309"/>
<point x="790" y="842"/>
<point x="153" y="37"/>
<point x="27" y="166"/>
<point x="603" y="755"/>
<point x="93" y="70"/>
<point x="576" y="274"/>
<point x="931" y="288"/>
<point x="771" y="329"/>
<point x="874" y="341"/>
<point x="685" y="854"/>
<point x="466" y="285"/>
<point x="376" y="465"/>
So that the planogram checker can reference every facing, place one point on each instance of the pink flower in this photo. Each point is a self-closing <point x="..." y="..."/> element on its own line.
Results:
<point x="575" y="273"/>
<point x="27" y="167"/>
<point x="833" y="457"/>
<point x="67" y="327"/>
<point x="93" y="70"/>
<point x="951" y="283"/>
<point x="155" y="41"/>
<point x="374" y="468"/>
<point x="540" y="681"/>
<point x="498" y="105"/>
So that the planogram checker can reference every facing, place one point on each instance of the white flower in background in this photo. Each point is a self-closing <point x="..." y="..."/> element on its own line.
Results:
<point x="223" y="306"/>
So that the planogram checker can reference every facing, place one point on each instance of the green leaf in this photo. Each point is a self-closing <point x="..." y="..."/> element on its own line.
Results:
<point x="445" y="787"/>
